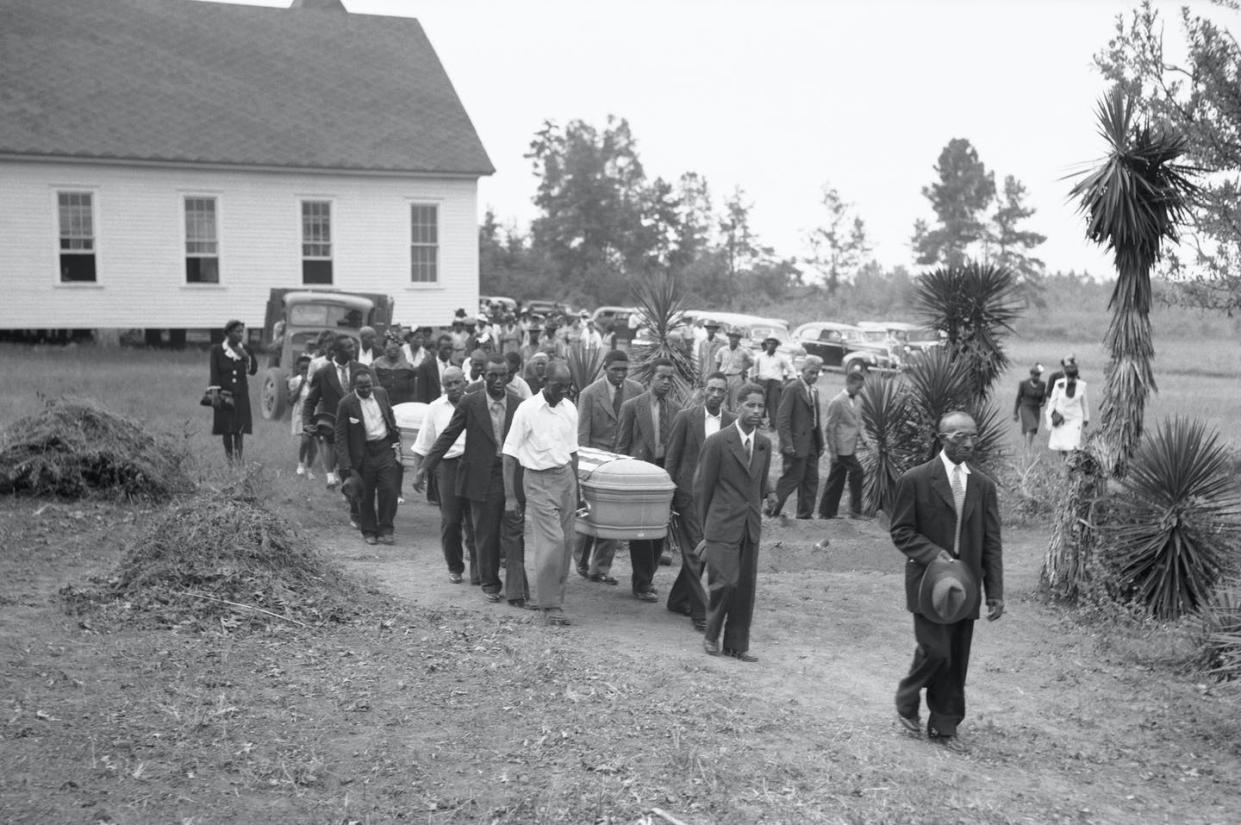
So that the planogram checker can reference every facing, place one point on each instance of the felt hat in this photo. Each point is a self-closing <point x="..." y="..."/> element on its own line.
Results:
<point x="711" y="323"/>
<point x="772" y="338"/>
<point x="948" y="592"/>
<point x="732" y="331"/>
<point x="1037" y="369"/>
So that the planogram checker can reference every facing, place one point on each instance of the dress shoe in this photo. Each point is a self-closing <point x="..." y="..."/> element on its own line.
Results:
<point x="370" y="540"/>
<point x="711" y="646"/>
<point x="603" y="578"/>
<point x="556" y="617"/>
<point x="647" y="595"/>
<point x="492" y="597"/>
<point x="700" y="625"/>
<point x="743" y="655"/>
<point x="455" y="578"/>
<point x="387" y="538"/>
<point x="911" y="724"/>
<point x="665" y="559"/>
<point x="951" y="743"/>
<point x="584" y="572"/>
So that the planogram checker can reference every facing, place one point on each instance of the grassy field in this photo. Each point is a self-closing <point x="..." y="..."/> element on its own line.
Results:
<point x="437" y="708"/>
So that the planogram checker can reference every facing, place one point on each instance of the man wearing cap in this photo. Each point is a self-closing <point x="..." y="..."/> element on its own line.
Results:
<point x="771" y="369"/>
<point x="599" y="407"/>
<point x="946" y="520"/>
<point x="735" y="361"/>
<point x="707" y="348"/>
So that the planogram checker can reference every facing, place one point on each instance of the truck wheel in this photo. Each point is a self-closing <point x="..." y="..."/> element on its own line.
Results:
<point x="275" y="396"/>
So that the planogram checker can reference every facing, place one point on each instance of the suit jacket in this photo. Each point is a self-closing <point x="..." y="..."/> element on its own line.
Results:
<point x="689" y="433"/>
<point x="351" y="429"/>
<point x="730" y="487"/>
<point x="795" y="421"/>
<point x="844" y="425"/>
<point x="326" y="391"/>
<point x="474" y="419"/>
<point x="428" y="388"/>
<point x="597" y="422"/>
<point x="924" y="521"/>
<point x="635" y="436"/>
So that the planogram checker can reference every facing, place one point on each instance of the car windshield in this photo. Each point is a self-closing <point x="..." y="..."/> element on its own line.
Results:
<point x="779" y="333"/>
<point x="875" y="336"/>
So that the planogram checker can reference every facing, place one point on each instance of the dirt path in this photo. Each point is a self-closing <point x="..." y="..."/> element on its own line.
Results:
<point x="1049" y="716"/>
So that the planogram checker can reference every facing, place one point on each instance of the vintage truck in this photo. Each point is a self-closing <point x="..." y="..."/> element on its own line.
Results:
<point x="295" y="319"/>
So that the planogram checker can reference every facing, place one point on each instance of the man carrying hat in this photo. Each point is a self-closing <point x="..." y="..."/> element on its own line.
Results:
<point x="735" y="361"/>
<point x="946" y="519"/>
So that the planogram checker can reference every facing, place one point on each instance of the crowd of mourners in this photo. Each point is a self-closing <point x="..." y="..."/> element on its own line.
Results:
<point x="498" y="453"/>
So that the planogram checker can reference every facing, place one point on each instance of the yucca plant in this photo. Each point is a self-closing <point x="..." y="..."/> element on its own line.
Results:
<point x="585" y="365"/>
<point x="1133" y="201"/>
<point x="1174" y="526"/>
<point x="901" y="416"/>
<point x="974" y="306"/>
<point x="661" y="302"/>
<point x="1221" y="626"/>
<point x="890" y="428"/>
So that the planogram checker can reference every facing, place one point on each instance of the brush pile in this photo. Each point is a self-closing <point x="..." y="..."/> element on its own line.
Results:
<point x="76" y="450"/>
<point x="222" y="561"/>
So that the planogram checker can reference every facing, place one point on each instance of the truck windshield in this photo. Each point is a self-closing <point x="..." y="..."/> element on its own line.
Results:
<point x="324" y="315"/>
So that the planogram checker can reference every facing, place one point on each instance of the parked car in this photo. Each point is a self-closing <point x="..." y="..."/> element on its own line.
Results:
<point x="754" y="329"/>
<point x="611" y="319"/>
<point x="546" y="308"/>
<point x="296" y="317"/>
<point x="829" y="340"/>
<point x="912" y="337"/>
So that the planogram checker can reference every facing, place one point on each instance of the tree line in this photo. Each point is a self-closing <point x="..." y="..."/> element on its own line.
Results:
<point x="602" y="222"/>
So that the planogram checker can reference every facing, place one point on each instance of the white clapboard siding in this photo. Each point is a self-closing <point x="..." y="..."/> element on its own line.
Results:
<point x="140" y="242"/>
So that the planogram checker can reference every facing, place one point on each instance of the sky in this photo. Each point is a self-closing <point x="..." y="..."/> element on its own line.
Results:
<point x="782" y="97"/>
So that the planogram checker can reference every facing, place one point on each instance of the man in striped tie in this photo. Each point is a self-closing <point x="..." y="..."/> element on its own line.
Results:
<point x="946" y="511"/>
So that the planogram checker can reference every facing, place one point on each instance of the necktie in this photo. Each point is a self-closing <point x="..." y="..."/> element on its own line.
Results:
<point x="616" y="401"/>
<point x="958" y="500"/>
<point x="343" y="374"/>
<point x="661" y="427"/>
<point x="814" y="402"/>
<point x="749" y="453"/>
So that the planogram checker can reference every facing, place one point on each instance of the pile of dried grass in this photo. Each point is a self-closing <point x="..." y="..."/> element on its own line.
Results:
<point x="223" y="560"/>
<point x="78" y="449"/>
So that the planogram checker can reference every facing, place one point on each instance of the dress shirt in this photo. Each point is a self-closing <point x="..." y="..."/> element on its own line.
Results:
<point x="439" y="413"/>
<point x="366" y="356"/>
<point x="497" y="409"/>
<point x="542" y="437"/>
<point x="734" y="361"/>
<point x="711" y="424"/>
<point x="772" y="367"/>
<point x="373" y="419"/>
<point x="519" y="387"/>
<point x="949" y="466"/>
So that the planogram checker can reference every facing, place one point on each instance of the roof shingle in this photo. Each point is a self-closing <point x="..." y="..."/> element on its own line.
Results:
<point x="190" y="82"/>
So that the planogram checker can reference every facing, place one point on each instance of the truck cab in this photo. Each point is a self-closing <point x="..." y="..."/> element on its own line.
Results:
<point x="295" y="319"/>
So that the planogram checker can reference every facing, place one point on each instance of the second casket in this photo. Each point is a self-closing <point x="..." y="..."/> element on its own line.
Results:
<point x="409" y="417"/>
<point x="625" y="498"/>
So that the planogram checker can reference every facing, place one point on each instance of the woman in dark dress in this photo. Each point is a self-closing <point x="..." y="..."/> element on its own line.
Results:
<point x="231" y="362"/>
<point x="1031" y="394"/>
<point x="393" y="372"/>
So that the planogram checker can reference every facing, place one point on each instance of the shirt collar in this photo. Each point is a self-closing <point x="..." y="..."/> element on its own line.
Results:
<point x="708" y="414"/>
<point x="742" y="432"/>
<point x="948" y="465"/>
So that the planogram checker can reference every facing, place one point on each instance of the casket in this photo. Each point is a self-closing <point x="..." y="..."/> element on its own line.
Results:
<point x="625" y="498"/>
<point x="409" y="417"/>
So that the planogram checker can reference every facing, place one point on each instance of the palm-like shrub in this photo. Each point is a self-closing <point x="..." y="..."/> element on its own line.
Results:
<point x="901" y="416"/>
<point x="1174" y="526"/>
<point x="585" y="365"/>
<point x="974" y="306"/>
<point x="1221" y="625"/>
<point x="661" y="302"/>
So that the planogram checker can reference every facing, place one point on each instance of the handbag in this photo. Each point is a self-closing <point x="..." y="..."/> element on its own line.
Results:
<point x="220" y="400"/>
<point x="208" y="399"/>
<point x="1056" y="418"/>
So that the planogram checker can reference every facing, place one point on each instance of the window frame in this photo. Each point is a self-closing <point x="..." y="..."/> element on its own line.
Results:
<point x="437" y="245"/>
<point x="59" y="279"/>
<point x="186" y="255"/>
<point x="302" y="201"/>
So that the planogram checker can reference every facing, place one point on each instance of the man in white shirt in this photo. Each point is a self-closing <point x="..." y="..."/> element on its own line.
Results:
<point x="771" y="369"/>
<point x="454" y="509"/>
<point x="542" y="442"/>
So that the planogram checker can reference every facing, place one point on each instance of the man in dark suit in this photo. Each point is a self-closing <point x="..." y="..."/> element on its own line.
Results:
<point x="598" y="410"/>
<point x="645" y="426"/>
<point x="945" y="510"/>
<point x="432" y="369"/>
<point x="485" y="418"/>
<point x="690" y="430"/>
<point x="729" y="491"/>
<point x="328" y="386"/>
<point x="367" y="444"/>
<point x="801" y="440"/>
